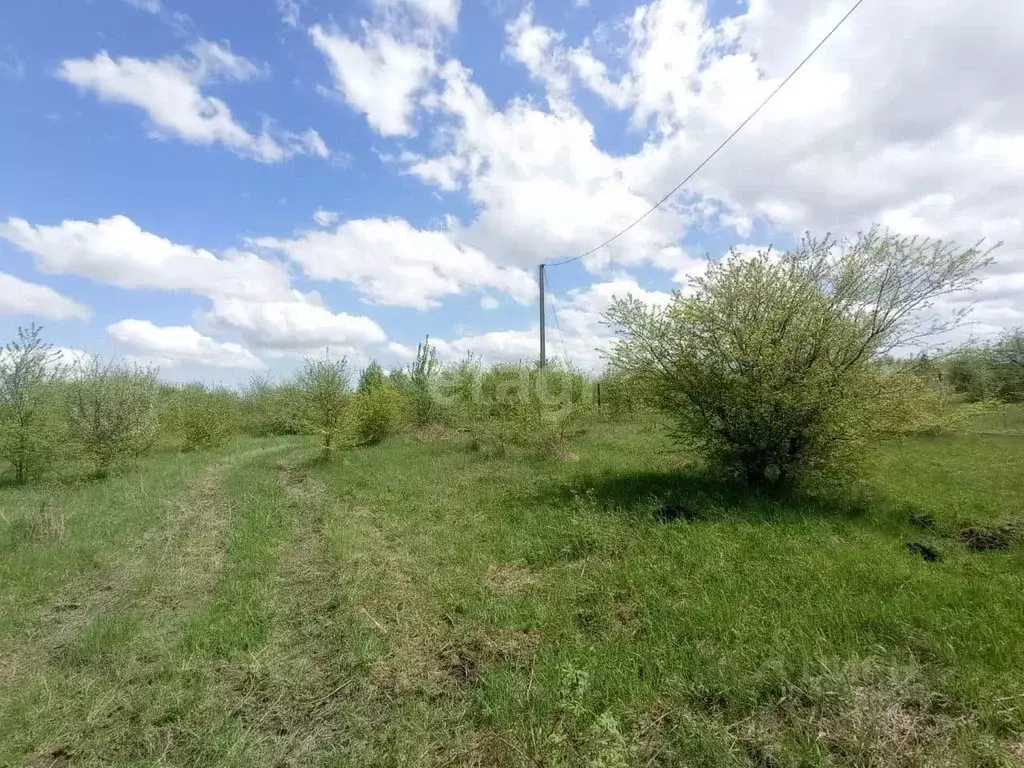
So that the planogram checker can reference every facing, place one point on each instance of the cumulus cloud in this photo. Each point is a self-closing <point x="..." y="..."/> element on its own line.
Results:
<point x="877" y="128"/>
<point x="379" y="76"/>
<point x="583" y="340"/>
<point x="326" y="218"/>
<point x="432" y="13"/>
<point x="181" y="344"/>
<point x="149" y="6"/>
<point x="299" y="324"/>
<point x="543" y="187"/>
<point x="169" y="90"/>
<point x="251" y="297"/>
<point x="290" y="11"/>
<point x="117" y="251"/>
<point x="391" y="262"/>
<point x="18" y="297"/>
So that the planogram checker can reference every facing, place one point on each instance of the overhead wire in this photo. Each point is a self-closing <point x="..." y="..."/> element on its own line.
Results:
<point x="720" y="147"/>
<point x="558" y="327"/>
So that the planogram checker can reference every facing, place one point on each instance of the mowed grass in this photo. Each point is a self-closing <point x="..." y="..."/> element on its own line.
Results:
<point x="419" y="604"/>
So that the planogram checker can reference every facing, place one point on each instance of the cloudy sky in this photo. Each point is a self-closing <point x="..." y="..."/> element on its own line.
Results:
<point x="224" y="186"/>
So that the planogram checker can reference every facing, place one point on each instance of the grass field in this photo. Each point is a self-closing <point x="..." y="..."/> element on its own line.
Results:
<point x="418" y="604"/>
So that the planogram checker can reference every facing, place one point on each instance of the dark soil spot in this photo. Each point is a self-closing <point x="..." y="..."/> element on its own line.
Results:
<point x="987" y="538"/>
<point x="464" y="663"/>
<point x="928" y="554"/>
<point x="924" y="522"/>
<point x="760" y="757"/>
<point x="629" y="613"/>
<point x="672" y="512"/>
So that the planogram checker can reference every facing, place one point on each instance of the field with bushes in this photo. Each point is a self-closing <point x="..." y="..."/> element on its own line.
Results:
<point x="760" y="538"/>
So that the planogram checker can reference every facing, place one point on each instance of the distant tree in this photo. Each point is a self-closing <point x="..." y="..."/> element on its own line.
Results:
<point x="28" y="438"/>
<point x="1007" y="359"/>
<point x="422" y="378"/>
<point x="379" y="412"/>
<point x="770" y="366"/>
<point x="324" y="386"/>
<point x="203" y="417"/>
<point x="372" y="375"/>
<point x="112" y="411"/>
<point x="270" y="408"/>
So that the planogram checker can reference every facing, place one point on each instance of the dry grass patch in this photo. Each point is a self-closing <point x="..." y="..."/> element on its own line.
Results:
<point x="511" y="579"/>
<point x="865" y="714"/>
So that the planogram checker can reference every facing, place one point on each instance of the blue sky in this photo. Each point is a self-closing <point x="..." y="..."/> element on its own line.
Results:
<point x="223" y="187"/>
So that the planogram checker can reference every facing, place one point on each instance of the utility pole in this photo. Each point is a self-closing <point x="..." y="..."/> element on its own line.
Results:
<point x="540" y="284"/>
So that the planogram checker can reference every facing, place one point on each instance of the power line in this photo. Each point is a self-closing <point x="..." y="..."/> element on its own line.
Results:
<point x="558" y="326"/>
<point x="721" y="146"/>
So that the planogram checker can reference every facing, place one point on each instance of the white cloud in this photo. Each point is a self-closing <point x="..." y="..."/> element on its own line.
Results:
<point x="380" y="76"/>
<point x="936" y="149"/>
<point x="169" y="91"/>
<point x="439" y="13"/>
<point x="489" y="302"/>
<point x="117" y="251"/>
<point x="544" y="189"/>
<point x="583" y="338"/>
<point x="181" y="344"/>
<point x="326" y="218"/>
<point x="18" y="297"/>
<point x="298" y="324"/>
<point x="290" y="10"/>
<point x="150" y="6"/>
<point x="391" y="262"/>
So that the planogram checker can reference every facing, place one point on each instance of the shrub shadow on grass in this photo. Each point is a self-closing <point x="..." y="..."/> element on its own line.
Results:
<point x="694" y="496"/>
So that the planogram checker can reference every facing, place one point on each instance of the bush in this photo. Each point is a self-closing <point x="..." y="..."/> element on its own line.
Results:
<point x="530" y="407"/>
<point x="379" y="412"/>
<point x="111" y="411"/>
<point x="30" y="430"/>
<point x="771" y="368"/>
<point x="990" y="371"/>
<point x="203" y="418"/>
<point x="324" y="387"/>
<point x="372" y="376"/>
<point x="267" y="409"/>
<point x="422" y="381"/>
<point x="619" y="396"/>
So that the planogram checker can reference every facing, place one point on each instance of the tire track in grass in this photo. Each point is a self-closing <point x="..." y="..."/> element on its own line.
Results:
<point x="84" y="677"/>
<point x="290" y="695"/>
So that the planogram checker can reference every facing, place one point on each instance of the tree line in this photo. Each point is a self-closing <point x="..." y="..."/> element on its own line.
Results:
<point x="779" y="369"/>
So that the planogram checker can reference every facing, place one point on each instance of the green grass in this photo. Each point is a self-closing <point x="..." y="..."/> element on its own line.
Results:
<point x="419" y="604"/>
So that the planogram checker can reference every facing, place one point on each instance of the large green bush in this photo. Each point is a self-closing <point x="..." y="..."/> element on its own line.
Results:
<point x="379" y="412"/>
<point x="770" y="367"/>
<point x="111" y="409"/>
<point x="201" y="417"/>
<point x="524" y="406"/>
<point x="323" y="385"/>
<point x="30" y="425"/>
<point x="269" y="409"/>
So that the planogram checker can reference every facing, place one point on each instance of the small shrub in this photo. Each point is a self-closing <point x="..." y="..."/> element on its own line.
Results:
<point x="267" y="409"/>
<point x="30" y="430"/>
<point x="530" y="407"/>
<point x="204" y="418"/>
<point x="324" y="387"/>
<point x="422" y="380"/>
<point x="111" y="411"/>
<point x="379" y="412"/>
<point x="372" y="376"/>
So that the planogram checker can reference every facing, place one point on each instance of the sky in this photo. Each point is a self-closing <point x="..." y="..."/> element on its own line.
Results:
<point x="223" y="187"/>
